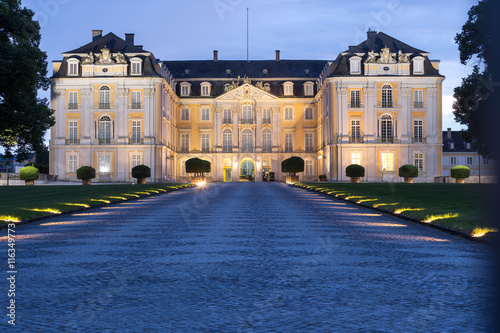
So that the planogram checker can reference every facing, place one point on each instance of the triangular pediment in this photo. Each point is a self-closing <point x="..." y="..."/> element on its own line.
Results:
<point x="247" y="91"/>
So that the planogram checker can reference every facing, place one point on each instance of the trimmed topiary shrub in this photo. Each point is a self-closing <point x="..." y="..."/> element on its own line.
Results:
<point x="408" y="171"/>
<point x="141" y="171"/>
<point x="460" y="172"/>
<point x="85" y="172"/>
<point x="355" y="171"/>
<point x="292" y="165"/>
<point x="29" y="174"/>
<point x="197" y="166"/>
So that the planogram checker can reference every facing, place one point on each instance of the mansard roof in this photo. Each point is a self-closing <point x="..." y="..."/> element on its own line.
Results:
<point x="112" y="42"/>
<point x="458" y="143"/>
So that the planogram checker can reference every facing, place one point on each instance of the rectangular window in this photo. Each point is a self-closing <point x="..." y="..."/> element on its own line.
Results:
<point x="356" y="158"/>
<point x="418" y="161"/>
<point x="104" y="163"/>
<point x="485" y="160"/>
<point x="73" y="132"/>
<point x="469" y="160"/>
<point x="418" y="98"/>
<point x="205" y="114"/>
<point x="185" y="114"/>
<point x="227" y="116"/>
<point x="288" y="113"/>
<point x="136" y="68"/>
<point x="418" y="130"/>
<point x="453" y="160"/>
<point x="184" y="90"/>
<point x="309" y="168"/>
<point x="227" y="141"/>
<point x="387" y="162"/>
<point x="136" y="131"/>
<point x="288" y="142"/>
<point x="355" y="66"/>
<point x="205" y="142"/>
<point x="355" y="98"/>
<point x="309" y="142"/>
<point x="418" y="66"/>
<point x="72" y="163"/>
<point x="184" y="143"/>
<point x="183" y="169"/>
<point x="205" y="90"/>
<point x="309" y="115"/>
<point x="309" y="90"/>
<point x="355" y="130"/>
<point x="266" y="116"/>
<point x="135" y="160"/>
<point x="136" y="99"/>
<point x="288" y="89"/>
<point x="73" y="69"/>
<point x="73" y="100"/>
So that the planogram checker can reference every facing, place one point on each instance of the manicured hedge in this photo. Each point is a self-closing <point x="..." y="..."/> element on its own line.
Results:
<point x="292" y="165"/>
<point x="29" y="173"/>
<point x="85" y="172"/>
<point x="141" y="171"/>
<point x="460" y="171"/>
<point x="408" y="171"/>
<point x="197" y="166"/>
<point x="354" y="171"/>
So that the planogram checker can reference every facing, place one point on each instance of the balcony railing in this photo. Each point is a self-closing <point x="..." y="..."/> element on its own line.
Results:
<point x="72" y="141"/>
<point x="356" y="137"/>
<point x="266" y="120"/>
<point x="418" y="140"/>
<point x="104" y="141"/>
<point x="310" y="150"/>
<point x="387" y="104"/>
<point x="418" y="104"/>
<point x="267" y="149"/>
<point x="104" y="106"/>
<point x="355" y="105"/>
<point x="72" y="106"/>
<point x="387" y="139"/>
<point x="227" y="149"/>
<point x="246" y="121"/>
<point x="136" y="106"/>
<point x="247" y="149"/>
<point x="183" y="150"/>
<point x="226" y="121"/>
<point x="136" y="141"/>
<point x="288" y="149"/>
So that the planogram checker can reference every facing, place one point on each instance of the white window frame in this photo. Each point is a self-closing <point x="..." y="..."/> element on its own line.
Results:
<point x="227" y="140"/>
<point x="355" y="130"/>
<point x="185" y="114"/>
<point x="185" y="89"/>
<point x="205" y="113"/>
<point x="288" y="88"/>
<point x="105" y="128"/>
<point x="289" y="138"/>
<point x="309" y="113"/>
<point x="387" y="96"/>
<point x="288" y="113"/>
<point x="247" y="113"/>
<point x="205" y="142"/>
<point x="183" y="169"/>
<point x="309" y="142"/>
<point x="387" y="127"/>
<point x="227" y="116"/>
<point x="73" y="131"/>
<point x="355" y="65"/>
<point x="104" y="97"/>
<point x="136" y="99"/>
<point x="419" y="160"/>
<point x="418" y="130"/>
<point x="135" y="160"/>
<point x="453" y="160"/>
<point x="72" y="162"/>
<point x="247" y="141"/>
<point x="205" y="89"/>
<point x="355" y="98"/>
<point x="136" y="136"/>
<point x="469" y="160"/>
<point x="418" y="98"/>
<point x="100" y="159"/>
<point x="267" y="116"/>
<point x="387" y="161"/>
<point x="418" y="65"/>
<point x="73" y="67"/>
<point x="309" y="167"/>
<point x="135" y="66"/>
<point x="184" y="143"/>
<point x="267" y="140"/>
<point x="309" y="89"/>
<point x="356" y="158"/>
<point x="73" y="100"/>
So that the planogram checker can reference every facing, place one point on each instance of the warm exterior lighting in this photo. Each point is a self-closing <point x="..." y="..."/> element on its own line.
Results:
<point x="365" y="200"/>
<point x="121" y="198"/>
<point x="131" y="195"/>
<point x="47" y="210"/>
<point x="201" y="184"/>
<point x="354" y="197"/>
<point x="480" y="232"/>
<point x="8" y="218"/>
<point x="431" y="218"/>
<point x="400" y="210"/>
<point x="386" y="204"/>
<point x="77" y="205"/>
<point x="98" y="200"/>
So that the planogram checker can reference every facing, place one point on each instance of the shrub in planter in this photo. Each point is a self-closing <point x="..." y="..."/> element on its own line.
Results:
<point x="29" y="174"/>
<point x="408" y="172"/>
<point x="460" y="172"/>
<point x="141" y="172"/>
<point x="85" y="173"/>
<point x="291" y="166"/>
<point x="355" y="171"/>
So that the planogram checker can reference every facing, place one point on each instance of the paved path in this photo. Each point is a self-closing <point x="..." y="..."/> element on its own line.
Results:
<point x="249" y="257"/>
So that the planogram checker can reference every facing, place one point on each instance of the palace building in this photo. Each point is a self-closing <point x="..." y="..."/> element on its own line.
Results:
<point x="378" y="104"/>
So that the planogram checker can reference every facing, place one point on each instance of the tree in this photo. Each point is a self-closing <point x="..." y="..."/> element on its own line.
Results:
<point x="24" y="118"/>
<point x="474" y="105"/>
<point x="197" y="166"/>
<point x="292" y="165"/>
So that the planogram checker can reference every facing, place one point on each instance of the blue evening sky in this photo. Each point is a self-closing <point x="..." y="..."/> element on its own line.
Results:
<point x="301" y="29"/>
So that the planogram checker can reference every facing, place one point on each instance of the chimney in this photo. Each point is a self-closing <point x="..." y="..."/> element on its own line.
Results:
<point x="277" y="55"/>
<point x="449" y="134"/>
<point x="129" y="38"/>
<point x="216" y="55"/>
<point x="96" y="34"/>
<point x="370" y="33"/>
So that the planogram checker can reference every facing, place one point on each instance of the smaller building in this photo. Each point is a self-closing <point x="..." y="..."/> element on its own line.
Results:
<point x="12" y="165"/>
<point x="458" y="152"/>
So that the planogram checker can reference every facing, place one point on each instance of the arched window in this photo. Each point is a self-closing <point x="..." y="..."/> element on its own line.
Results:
<point x="386" y="96"/>
<point x="266" y="141"/>
<point x="104" y="98"/>
<point x="227" y="141"/>
<point x="247" y="141"/>
<point x="247" y="114"/>
<point x="386" y="128"/>
<point x="105" y="130"/>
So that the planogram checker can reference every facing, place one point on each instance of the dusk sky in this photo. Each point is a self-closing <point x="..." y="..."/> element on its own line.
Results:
<point x="301" y="29"/>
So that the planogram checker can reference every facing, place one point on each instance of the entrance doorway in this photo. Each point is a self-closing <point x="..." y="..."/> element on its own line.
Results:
<point x="228" y="174"/>
<point x="247" y="170"/>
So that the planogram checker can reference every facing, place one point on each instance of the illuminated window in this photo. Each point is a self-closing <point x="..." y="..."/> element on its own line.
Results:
<point x="266" y="141"/>
<point x="135" y="160"/>
<point x="247" y="114"/>
<point x="104" y="97"/>
<point x="73" y="100"/>
<point x="418" y="161"/>
<point x="104" y="163"/>
<point x="356" y="158"/>
<point x="386" y="96"/>
<point x="418" y="130"/>
<point x="72" y="163"/>
<point x="387" y="162"/>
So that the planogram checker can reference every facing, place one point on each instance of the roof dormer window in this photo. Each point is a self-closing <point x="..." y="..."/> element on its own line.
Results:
<point x="355" y="65"/>
<point x="288" y="88"/>
<point x="418" y="65"/>
<point x="205" y="89"/>
<point x="309" y="89"/>
<point x="136" y="66"/>
<point x="73" y="65"/>
<point x="185" y="89"/>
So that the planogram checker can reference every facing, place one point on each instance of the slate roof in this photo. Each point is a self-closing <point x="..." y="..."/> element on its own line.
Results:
<point x="376" y="41"/>
<point x="459" y="143"/>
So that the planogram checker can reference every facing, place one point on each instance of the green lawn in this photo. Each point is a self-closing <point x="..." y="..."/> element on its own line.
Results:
<point x="461" y="207"/>
<point x="18" y="203"/>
